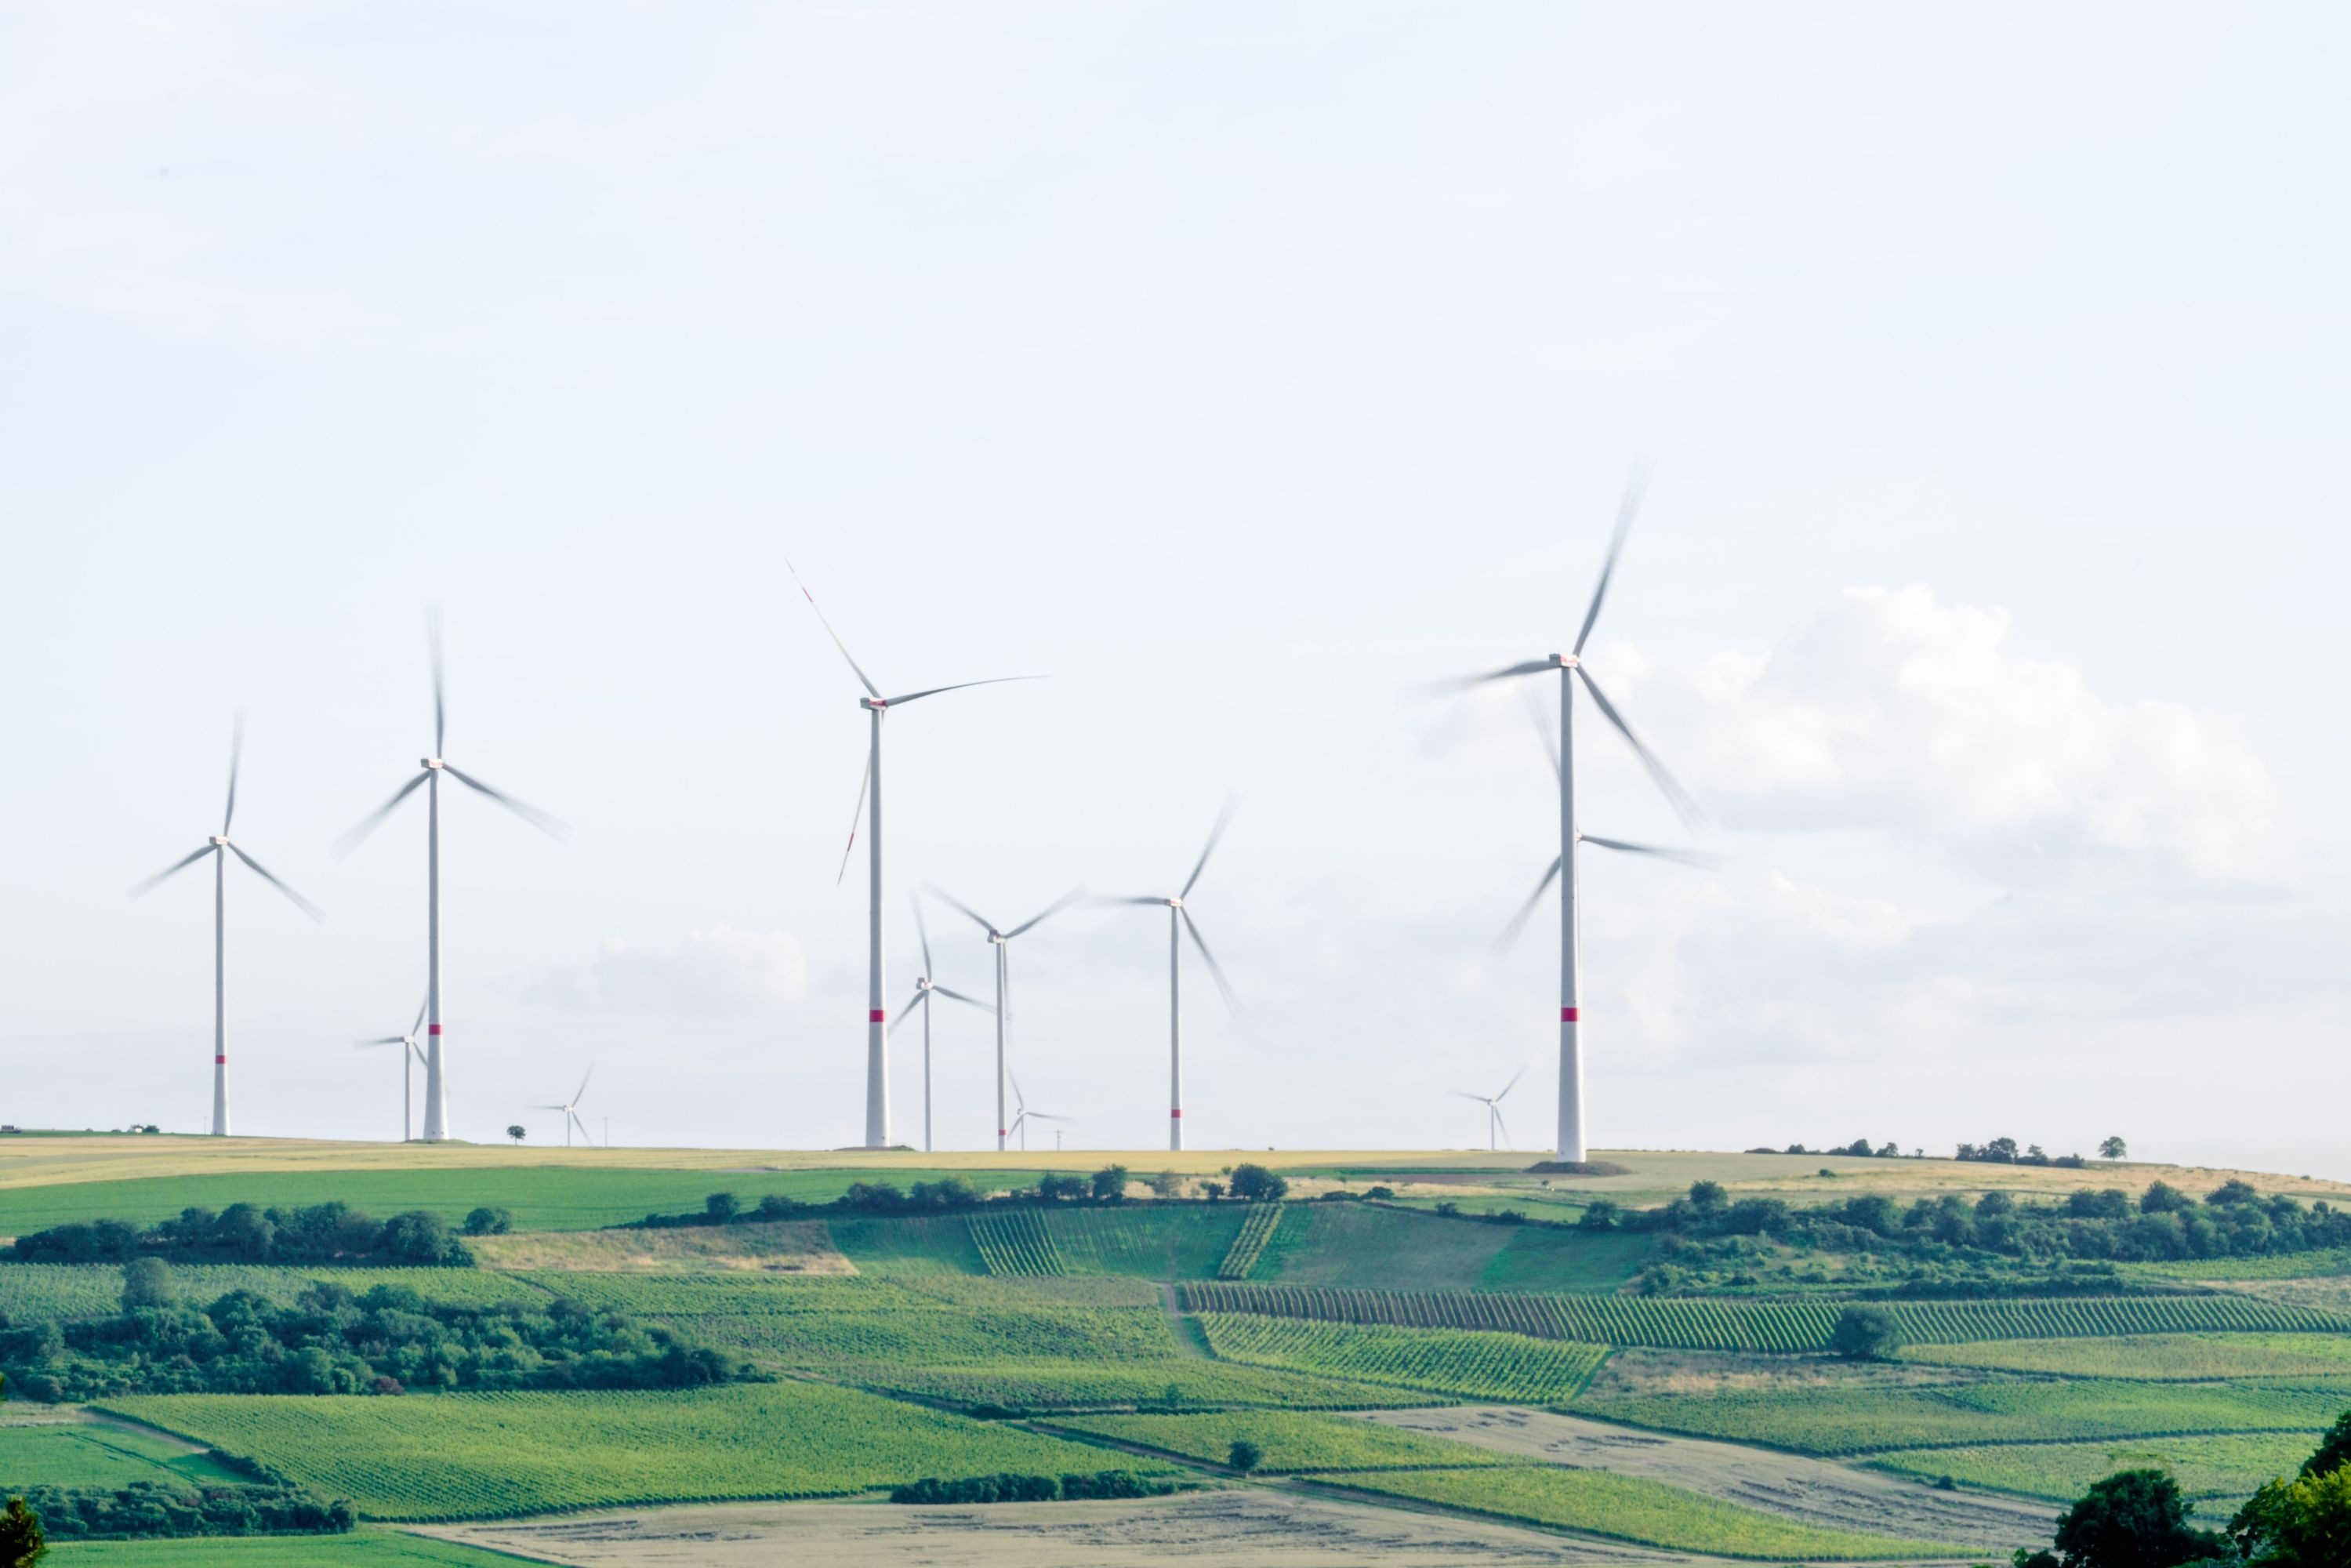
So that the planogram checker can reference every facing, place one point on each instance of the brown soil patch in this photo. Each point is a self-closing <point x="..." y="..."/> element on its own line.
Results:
<point x="782" y="1247"/>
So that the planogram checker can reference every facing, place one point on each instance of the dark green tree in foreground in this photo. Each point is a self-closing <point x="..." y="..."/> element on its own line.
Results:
<point x="21" y="1545"/>
<point x="2134" y="1520"/>
<point x="1866" y="1333"/>
<point x="1245" y="1456"/>
<point x="2301" y="1524"/>
<point x="488" y="1221"/>
<point x="1110" y="1184"/>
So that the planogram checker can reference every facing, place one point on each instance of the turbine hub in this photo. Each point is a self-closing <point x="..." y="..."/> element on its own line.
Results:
<point x="1174" y="903"/>
<point x="219" y="842"/>
<point x="1565" y="661"/>
<point x="876" y="703"/>
<point x="431" y="763"/>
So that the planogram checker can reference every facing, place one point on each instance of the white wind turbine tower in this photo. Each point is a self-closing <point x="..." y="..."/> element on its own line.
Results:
<point x="409" y="1059"/>
<point x="1571" y="668"/>
<point x="1179" y="921"/>
<point x="1024" y="1116"/>
<point x="877" y="1060"/>
<point x="1001" y="940"/>
<point x="429" y="770"/>
<point x="219" y="847"/>
<point x="923" y="988"/>
<point x="571" y="1109"/>
<point x="1494" y="1129"/>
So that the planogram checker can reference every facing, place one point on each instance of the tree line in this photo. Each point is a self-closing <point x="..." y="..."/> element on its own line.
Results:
<point x="248" y="1233"/>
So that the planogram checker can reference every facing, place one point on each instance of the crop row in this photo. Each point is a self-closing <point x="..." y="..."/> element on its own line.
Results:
<point x="1242" y="1257"/>
<point x="1015" y="1242"/>
<point x="1471" y="1365"/>
<point x="939" y="1337"/>
<point x="1178" y="1383"/>
<point x="1676" y="1323"/>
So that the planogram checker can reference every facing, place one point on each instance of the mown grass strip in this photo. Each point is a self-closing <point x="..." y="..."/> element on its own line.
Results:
<point x="1629" y="1508"/>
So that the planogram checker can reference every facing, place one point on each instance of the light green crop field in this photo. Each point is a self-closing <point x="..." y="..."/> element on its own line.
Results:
<point x="32" y="1291"/>
<point x="1631" y="1508"/>
<point x="2230" y="1467"/>
<point x="1504" y="1366"/>
<point x="1145" y="1240"/>
<point x="542" y="1197"/>
<point x="74" y="1451"/>
<point x="1046" y="1386"/>
<point x="462" y="1456"/>
<point x="2168" y="1358"/>
<point x="1292" y="1441"/>
<point x="360" y="1548"/>
<point x="819" y="1341"/>
<point x="1850" y="1420"/>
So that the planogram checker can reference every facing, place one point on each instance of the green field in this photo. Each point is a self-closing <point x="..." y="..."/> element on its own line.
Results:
<point x="2229" y="1467"/>
<point x="1255" y="1230"/>
<point x="2168" y="1358"/>
<point x="1504" y="1366"/>
<point x="542" y="1197"/>
<point x="1740" y="1325"/>
<point x="32" y="1291"/>
<point x="1047" y="1387"/>
<point x="1015" y="1243"/>
<point x="1292" y="1441"/>
<point x="70" y="1451"/>
<point x="1364" y="1245"/>
<point x="1857" y="1420"/>
<point x="461" y="1456"/>
<point x="1633" y="1509"/>
<point x="360" y="1548"/>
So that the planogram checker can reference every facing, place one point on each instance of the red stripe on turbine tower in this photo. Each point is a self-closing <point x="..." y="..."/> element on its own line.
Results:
<point x="220" y="1061"/>
<point x="1569" y="1015"/>
<point x="1174" y="1113"/>
<point x="434" y="1028"/>
<point x="875" y="1016"/>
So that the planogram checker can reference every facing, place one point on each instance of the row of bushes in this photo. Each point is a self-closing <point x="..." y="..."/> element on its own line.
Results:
<point x="330" y="1341"/>
<point x="1009" y="1487"/>
<point x="159" y="1509"/>
<point x="248" y="1233"/>
<point x="952" y="1195"/>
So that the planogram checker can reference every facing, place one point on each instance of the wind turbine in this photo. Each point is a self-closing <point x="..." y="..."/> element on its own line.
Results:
<point x="571" y="1109"/>
<point x="219" y="847"/>
<point x="1000" y="940"/>
<point x="431" y="769"/>
<point x="1571" y="668"/>
<point x="1021" y="1121"/>
<point x="1493" y="1103"/>
<point x="1179" y="921"/>
<point x="923" y="987"/>
<point x="877" y="1060"/>
<point x="408" y="1058"/>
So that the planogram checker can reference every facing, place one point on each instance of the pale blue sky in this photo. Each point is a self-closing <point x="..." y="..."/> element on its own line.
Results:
<point x="1239" y="367"/>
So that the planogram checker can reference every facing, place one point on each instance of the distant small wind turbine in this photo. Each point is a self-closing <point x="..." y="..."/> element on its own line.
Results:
<point x="409" y="1059"/>
<point x="1495" y="1127"/>
<point x="431" y="769"/>
<point x="571" y="1109"/>
<point x="1179" y="921"/>
<point x="1000" y="940"/>
<point x="923" y="987"/>
<point x="877" y="1058"/>
<point x="1025" y="1115"/>
<point x="219" y="849"/>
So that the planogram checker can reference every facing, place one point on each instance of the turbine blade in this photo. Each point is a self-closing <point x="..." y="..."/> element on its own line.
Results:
<point x="956" y="996"/>
<point x="1526" y="911"/>
<point x="978" y="919"/>
<point x="420" y="1017"/>
<point x="177" y="865"/>
<point x="1018" y="1100"/>
<point x="1454" y="684"/>
<point x="959" y="685"/>
<point x="1123" y="901"/>
<point x="855" y="817"/>
<point x="1676" y="796"/>
<point x="583" y="1129"/>
<point x="387" y="1040"/>
<point x="1681" y="857"/>
<point x="1505" y="1126"/>
<point x="551" y="826"/>
<point x="921" y="935"/>
<point x="1465" y="1094"/>
<point x="905" y="1012"/>
<point x="871" y="689"/>
<point x="1224" y="819"/>
<point x="582" y="1093"/>
<point x="1635" y="485"/>
<point x="1051" y="910"/>
<point x="1513" y="1083"/>
<point x="368" y="824"/>
<point x="235" y="756"/>
<point x="1215" y="970"/>
<point x="440" y="709"/>
<point x="301" y="902"/>
<point x="1048" y="1116"/>
<point x="1539" y="715"/>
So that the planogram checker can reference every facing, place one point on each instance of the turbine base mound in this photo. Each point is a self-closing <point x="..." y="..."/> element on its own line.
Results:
<point x="1577" y="1167"/>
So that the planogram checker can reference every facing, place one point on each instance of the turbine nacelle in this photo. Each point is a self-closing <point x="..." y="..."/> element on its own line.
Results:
<point x="218" y="842"/>
<point x="431" y="764"/>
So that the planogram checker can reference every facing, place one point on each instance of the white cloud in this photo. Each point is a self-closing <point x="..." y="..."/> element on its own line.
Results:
<point x="1893" y="710"/>
<point x="716" y="973"/>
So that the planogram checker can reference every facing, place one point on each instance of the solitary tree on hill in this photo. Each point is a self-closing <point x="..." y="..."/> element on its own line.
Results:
<point x="2114" y="1149"/>
<point x="516" y="1132"/>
